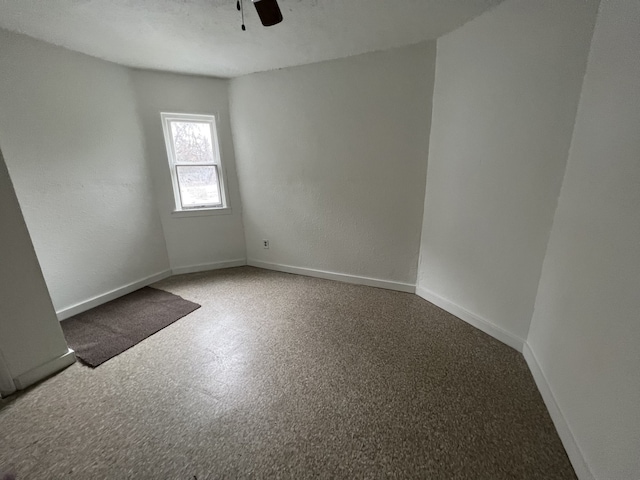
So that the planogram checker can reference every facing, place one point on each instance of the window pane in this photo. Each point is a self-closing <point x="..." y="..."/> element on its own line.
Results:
<point x="198" y="186"/>
<point x="192" y="142"/>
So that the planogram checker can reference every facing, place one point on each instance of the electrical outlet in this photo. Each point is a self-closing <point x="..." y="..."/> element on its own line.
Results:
<point x="265" y="244"/>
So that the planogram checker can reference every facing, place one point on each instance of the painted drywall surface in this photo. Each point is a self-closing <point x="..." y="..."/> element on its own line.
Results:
<point x="585" y="330"/>
<point x="74" y="148"/>
<point x="30" y="334"/>
<point x="332" y="161"/>
<point x="190" y="240"/>
<point x="204" y="37"/>
<point x="506" y="92"/>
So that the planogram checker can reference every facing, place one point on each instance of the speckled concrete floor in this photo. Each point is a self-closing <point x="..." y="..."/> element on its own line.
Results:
<point x="283" y="376"/>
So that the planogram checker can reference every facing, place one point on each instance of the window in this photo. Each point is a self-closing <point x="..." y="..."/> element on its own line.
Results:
<point x="194" y="159"/>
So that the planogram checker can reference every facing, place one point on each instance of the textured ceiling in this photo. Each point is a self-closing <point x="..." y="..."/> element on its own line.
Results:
<point x="204" y="36"/>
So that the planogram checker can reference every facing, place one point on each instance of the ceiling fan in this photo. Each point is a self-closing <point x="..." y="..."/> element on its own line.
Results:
<point x="268" y="11"/>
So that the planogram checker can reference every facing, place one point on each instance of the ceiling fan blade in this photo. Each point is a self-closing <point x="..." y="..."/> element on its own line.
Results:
<point x="268" y="11"/>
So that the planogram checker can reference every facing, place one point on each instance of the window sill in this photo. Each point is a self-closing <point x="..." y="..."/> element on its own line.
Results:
<point x="201" y="212"/>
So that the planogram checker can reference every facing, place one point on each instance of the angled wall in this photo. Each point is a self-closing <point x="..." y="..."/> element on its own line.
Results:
<point x="332" y="160"/>
<point x="193" y="241"/>
<point x="74" y="148"/>
<point x="506" y="93"/>
<point x="585" y="333"/>
<point x="31" y="342"/>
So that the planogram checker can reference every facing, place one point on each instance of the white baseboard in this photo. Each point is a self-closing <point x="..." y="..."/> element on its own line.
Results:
<point x="143" y="282"/>
<point x="471" y="318"/>
<point x="239" y="262"/>
<point x="341" y="277"/>
<point x="564" y="432"/>
<point x="111" y="295"/>
<point x="562" y="427"/>
<point x="43" y="371"/>
<point x="7" y="385"/>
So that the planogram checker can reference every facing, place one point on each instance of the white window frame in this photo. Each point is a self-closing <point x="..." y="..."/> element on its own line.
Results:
<point x="212" y="120"/>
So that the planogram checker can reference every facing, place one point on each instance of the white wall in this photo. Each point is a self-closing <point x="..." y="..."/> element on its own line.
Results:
<point x="506" y="92"/>
<point x="74" y="148"/>
<point x="199" y="240"/>
<point x="332" y="161"/>
<point x="585" y="331"/>
<point x="30" y="334"/>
